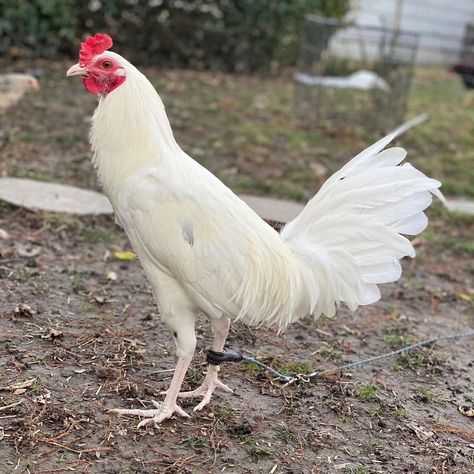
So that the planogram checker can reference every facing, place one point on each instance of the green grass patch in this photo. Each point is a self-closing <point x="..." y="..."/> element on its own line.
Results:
<point x="285" y="434"/>
<point x="293" y="368"/>
<point x="252" y="124"/>
<point x="95" y="235"/>
<point x="255" y="449"/>
<point x="394" y="337"/>
<point x="31" y="174"/>
<point x="367" y="392"/>
<point x="197" y="443"/>
<point x="443" y="146"/>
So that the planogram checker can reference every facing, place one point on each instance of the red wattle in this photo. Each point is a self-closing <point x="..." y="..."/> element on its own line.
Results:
<point x="103" y="87"/>
<point x="92" y="85"/>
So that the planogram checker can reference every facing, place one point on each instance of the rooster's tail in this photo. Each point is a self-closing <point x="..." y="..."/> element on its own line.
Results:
<point x="350" y="237"/>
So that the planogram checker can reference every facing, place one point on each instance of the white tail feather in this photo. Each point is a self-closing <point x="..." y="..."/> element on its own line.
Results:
<point x="349" y="236"/>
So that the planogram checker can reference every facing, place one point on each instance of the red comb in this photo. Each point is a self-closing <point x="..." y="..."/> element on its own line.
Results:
<point x="93" y="46"/>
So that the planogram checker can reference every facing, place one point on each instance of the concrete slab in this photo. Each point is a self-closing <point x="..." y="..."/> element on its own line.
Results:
<point x="56" y="197"/>
<point x="273" y="209"/>
<point x="53" y="197"/>
<point x="461" y="206"/>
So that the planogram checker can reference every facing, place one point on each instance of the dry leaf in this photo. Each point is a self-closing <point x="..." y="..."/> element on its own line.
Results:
<point x="25" y="384"/>
<point x="421" y="432"/>
<point x="19" y="391"/>
<point x="42" y="399"/>
<point x="4" y="234"/>
<point x="124" y="255"/>
<point x="465" y="297"/>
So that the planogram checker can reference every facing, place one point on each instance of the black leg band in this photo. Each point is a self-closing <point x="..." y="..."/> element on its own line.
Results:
<point x="228" y="355"/>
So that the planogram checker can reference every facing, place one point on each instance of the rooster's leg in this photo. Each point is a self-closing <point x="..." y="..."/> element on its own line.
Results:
<point x="169" y="406"/>
<point x="220" y="328"/>
<point x="185" y="339"/>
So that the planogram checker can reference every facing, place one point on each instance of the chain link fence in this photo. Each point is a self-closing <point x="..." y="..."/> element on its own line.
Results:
<point x="351" y="75"/>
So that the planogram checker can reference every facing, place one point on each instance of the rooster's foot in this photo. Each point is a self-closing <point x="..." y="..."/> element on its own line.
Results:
<point x="162" y="412"/>
<point x="211" y="382"/>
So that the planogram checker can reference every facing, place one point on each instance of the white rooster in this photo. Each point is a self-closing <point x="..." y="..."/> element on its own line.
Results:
<point x="204" y="250"/>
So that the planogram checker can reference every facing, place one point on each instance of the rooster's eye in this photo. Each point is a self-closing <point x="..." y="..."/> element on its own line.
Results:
<point x="106" y="64"/>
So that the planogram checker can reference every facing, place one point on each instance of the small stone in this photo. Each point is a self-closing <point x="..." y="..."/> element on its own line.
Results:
<point x="112" y="276"/>
<point x="52" y="334"/>
<point x="24" y="311"/>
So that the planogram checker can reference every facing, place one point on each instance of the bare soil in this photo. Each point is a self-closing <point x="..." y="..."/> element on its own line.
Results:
<point x="80" y="333"/>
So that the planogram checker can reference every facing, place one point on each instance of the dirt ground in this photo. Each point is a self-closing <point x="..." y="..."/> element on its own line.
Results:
<point x="80" y="333"/>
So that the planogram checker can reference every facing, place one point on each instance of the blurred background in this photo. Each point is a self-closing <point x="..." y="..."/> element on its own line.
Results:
<point x="270" y="95"/>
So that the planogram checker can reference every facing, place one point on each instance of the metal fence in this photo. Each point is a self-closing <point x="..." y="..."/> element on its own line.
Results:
<point x="350" y="75"/>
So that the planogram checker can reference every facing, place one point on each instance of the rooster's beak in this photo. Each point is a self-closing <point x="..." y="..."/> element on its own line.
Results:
<point x="76" y="70"/>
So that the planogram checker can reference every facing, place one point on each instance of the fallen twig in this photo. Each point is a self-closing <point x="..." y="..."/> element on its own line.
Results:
<point x="11" y="406"/>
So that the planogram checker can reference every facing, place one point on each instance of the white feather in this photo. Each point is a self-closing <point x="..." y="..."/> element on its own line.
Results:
<point x="358" y="217"/>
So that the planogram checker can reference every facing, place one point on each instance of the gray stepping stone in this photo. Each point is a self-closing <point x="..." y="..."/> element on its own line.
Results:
<point x="53" y="197"/>
<point x="461" y="206"/>
<point x="273" y="209"/>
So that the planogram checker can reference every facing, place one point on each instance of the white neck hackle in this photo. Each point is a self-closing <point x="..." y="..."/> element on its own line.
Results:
<point x="130" y="129"/>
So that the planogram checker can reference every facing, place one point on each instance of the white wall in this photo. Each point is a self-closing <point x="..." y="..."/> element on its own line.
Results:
<point x="440" y="24"/>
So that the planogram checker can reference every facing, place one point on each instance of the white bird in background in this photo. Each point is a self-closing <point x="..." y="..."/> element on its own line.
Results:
<point x="204" y="250"/>
<point x="13" y="87"/>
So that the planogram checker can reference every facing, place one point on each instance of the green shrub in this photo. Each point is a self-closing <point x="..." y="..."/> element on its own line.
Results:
<point x="37" y="28"/>
<point x="231" y="35"/>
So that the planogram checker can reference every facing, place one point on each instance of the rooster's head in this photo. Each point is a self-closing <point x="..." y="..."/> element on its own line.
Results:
<point x="102" y="71"/>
